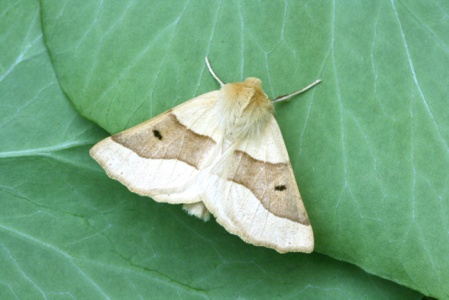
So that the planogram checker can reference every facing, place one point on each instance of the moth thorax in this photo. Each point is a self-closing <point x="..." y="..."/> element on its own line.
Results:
<point x="244" y="109"/>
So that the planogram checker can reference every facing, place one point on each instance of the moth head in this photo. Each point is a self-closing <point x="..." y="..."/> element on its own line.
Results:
<point x="245" y="108"/>
<point x="246" y="96"/>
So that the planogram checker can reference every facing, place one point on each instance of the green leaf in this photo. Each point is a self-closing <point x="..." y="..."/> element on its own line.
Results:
<point x="68" y="231"/>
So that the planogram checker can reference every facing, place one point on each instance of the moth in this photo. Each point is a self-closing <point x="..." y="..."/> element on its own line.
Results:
<point x="221" y="153"/>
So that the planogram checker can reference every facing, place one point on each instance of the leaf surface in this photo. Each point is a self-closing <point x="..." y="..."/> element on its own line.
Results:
<point x="369" y="146"/>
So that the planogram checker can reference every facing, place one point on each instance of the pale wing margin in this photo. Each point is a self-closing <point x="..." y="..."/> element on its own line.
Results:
<point x="257" y="197"/>
<point x="161" y="157"/>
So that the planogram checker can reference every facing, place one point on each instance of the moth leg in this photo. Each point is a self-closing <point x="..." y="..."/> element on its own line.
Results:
<point x="197" y="209"/>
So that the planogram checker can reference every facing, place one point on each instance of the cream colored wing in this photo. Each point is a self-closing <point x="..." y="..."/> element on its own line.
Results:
<point x="255" y="196"/>
<point x="161" y="157"/>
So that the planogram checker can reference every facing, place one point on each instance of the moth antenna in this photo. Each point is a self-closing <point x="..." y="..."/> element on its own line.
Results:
<point x="287" y="97"/>
<point x="213" y="73"/>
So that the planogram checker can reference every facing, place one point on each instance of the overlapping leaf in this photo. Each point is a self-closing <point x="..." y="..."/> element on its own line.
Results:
<point x="369" y="146"/>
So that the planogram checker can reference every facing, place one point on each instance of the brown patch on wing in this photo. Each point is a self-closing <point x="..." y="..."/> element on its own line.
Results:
<point x="166" y="138"/>
<point x="273" y="184"/>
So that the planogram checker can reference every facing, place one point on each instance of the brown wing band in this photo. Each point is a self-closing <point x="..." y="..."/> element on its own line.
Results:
<point x="273" y="184"/>
<point x="166" y="139"/>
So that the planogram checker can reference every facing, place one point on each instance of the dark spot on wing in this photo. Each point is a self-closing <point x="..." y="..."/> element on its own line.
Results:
<point x="157" y="134"/>
<point x="280" y="188"/>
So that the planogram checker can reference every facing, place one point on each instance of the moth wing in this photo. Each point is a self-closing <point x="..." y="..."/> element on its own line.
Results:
<point x="161" y="157"/>
<point x="255" y="196"/>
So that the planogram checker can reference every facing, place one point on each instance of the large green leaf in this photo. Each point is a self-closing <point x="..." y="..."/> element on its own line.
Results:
<point x="69" y="231"/>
